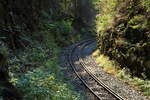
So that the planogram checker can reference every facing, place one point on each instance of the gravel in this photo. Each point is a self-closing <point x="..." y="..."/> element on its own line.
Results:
<point x="71" y="78"/>
<point x="121" y="88"/>
<point x="114" y="83"/>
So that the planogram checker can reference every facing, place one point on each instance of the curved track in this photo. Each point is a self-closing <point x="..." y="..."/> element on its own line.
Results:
<point x="96" y="86"/>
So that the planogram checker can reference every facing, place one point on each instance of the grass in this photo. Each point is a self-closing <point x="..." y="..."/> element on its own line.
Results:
<point x="113" y="68"/>
<point x="108" y="65"/>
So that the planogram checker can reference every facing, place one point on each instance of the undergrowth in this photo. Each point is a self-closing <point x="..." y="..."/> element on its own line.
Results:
<point x="36" y="74"/>
<point x="35" y="71"/>
<point x="113" y="68"/>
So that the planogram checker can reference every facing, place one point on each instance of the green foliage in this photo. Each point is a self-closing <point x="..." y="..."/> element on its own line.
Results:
<point x="29" y="58"/>
<point x="103" y="22"/>
<point x="35" y="55"/>
<point x="146" y="4"/>
<point x="36" y="38"/>
<point x="39" y="85"/>
<point x="107" y="11"/>
<point x="140" y="84"/>
<point x="4" y="50"/>
<point x="63" y="27"/>
<point x="113" y="68"/>
<point x="139" y="22"/>
<point x="123" y="33"/>
<point x="60" y="32"/>
<point x="44" y="82"/>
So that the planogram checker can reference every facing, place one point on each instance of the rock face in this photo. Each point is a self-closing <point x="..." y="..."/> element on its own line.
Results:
<point x="127" y="36"/>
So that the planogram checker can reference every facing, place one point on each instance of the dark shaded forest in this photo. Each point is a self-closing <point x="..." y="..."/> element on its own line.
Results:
<point x="18" y="17"/>
<point x="33" y="32"/>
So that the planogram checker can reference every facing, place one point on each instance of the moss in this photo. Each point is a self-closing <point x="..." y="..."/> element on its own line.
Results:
<point x="123" y="33"/>
<point x="138" y="22"/>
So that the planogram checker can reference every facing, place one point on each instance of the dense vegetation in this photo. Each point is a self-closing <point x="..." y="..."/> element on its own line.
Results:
<point x="32" y="33"/>
<point x="124" y="34"/>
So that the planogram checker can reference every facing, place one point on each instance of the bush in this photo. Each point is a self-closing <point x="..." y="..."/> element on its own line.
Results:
<point x="40" y="85"/>
<point x="59" y="32"/>
<point x="44" y="82"/>
<point x="123" y="33"/>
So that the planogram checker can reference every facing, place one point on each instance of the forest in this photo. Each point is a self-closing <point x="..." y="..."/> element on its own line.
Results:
<point x="33" y="34"/>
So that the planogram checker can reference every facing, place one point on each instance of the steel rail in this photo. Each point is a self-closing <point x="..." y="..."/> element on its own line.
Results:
<point x="70" y="59"/>
<point x="96" y="79"/>
<point x="73" y="67"/>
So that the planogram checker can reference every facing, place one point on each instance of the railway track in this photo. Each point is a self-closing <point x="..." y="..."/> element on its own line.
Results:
<point x="96" y="86"/>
